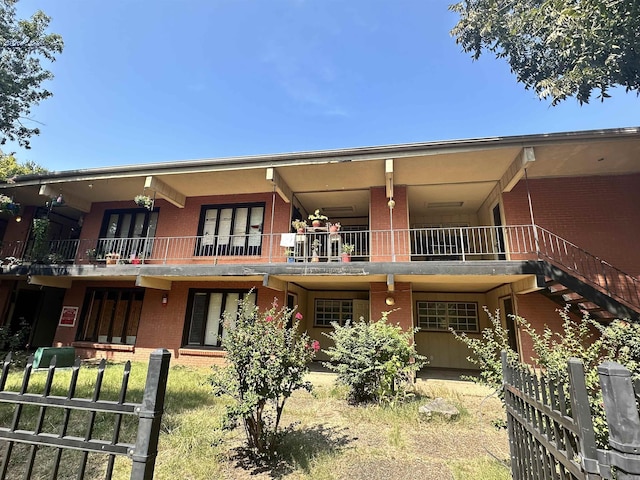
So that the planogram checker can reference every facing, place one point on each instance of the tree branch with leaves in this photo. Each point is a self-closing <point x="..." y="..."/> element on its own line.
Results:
<point x="23" y="46"/>
<point x="558" y="48"/>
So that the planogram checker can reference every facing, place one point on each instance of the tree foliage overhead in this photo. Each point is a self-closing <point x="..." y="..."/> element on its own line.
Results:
<point x="558" y="48"/>
<point x="11" y="168"/>
<point x="23" y="46"/>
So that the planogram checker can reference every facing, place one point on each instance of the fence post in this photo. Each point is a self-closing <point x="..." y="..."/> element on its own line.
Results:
<point x="581" y="413"/>
<point x="622" y="418"/>
<point x="150" y="414"/>
<point x="508" y="380"/>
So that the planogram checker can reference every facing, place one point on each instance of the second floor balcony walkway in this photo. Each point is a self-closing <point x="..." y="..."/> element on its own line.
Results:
<point x="315" y="245"/>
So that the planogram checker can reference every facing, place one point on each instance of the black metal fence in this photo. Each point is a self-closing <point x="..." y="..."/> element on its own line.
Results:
<point x="50" y="431"/>
<point x="551" y="434"/>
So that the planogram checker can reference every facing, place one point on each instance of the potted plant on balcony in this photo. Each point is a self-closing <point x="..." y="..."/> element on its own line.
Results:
<point x="334" y="227"/>
<point x="112" y="258"/>
<point x="315" y="250"/>
<point x="299" y="225"/>
<point x="144" y="201"/>
<point x="7" y="205"/>
<point x="289" y="253"/>
<point x="317" y="219"/>
<point x="347" y="250"/>
<point x="92" y="255"/>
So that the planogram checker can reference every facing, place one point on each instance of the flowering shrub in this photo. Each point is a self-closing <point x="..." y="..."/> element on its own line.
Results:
<point x="266" y="363"/>
<point x="376" y="360"/>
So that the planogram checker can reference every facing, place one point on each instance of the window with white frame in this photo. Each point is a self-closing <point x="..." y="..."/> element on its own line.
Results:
<point x="206" y="311"/>
<point x="230" y="230"/>
<point x="461" y="316"/>
<point x="329" y="310"/>
<point x="128" y="232"/>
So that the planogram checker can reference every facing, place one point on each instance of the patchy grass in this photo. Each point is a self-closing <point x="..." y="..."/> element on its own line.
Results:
<point x="328" y="439"/>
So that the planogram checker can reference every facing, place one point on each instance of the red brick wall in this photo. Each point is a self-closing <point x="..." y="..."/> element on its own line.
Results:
<point x="18" y="231"/>
<point x="600" y="214"/>
<point x="380" y="220"/>
<point x="539" y="311"/>
<point x="401" y="311"/>
<point x="160" y="327"/>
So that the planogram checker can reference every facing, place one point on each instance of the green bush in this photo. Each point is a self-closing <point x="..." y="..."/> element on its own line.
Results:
<point x="486" y="352"/>
<point x="266" y="364"/>
<point x="585" y="339"/>
<point x="376" y="360"/>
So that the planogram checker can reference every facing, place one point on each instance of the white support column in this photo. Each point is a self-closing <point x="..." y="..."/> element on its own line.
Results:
<point x="70" y="199"/>
<point x="273" y="283"/>
<point x="170" y="194"/>
<point x="153" y="282"/>
<point x="50" y="281"/>
<point x="516" y="169"/>
<point x="280" y="185"/>
<point x="388" y="175"/>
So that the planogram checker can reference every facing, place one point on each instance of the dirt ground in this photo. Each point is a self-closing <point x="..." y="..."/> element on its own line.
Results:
<point x="334" y="440"/>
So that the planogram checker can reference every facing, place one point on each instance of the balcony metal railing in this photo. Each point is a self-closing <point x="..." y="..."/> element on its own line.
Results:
<point x="459" y="243"/>
<point x="519" y="242"/>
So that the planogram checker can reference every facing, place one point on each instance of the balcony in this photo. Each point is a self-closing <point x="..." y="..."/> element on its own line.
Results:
<point x="315" y="245"/>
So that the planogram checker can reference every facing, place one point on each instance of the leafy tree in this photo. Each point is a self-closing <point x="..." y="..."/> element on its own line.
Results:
<point x="11" y="168"/>
<point x="23" y="44"/>
<point x="557" y="48"/>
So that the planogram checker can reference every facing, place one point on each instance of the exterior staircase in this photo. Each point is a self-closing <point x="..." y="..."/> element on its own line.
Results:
<point x="586" y="283"/>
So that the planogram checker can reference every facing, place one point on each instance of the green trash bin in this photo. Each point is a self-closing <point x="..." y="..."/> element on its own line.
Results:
<point x="65" y="356"/>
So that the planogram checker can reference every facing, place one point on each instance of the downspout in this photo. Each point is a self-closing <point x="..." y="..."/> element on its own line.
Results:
<point x="273" y="208"/>
<point x="392" y="203"/>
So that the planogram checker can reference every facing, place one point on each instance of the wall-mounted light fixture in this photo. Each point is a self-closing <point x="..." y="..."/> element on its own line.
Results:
<point x="390" y="300"/>
<point x="165" y="299"/>
<point x="18" y="218"/>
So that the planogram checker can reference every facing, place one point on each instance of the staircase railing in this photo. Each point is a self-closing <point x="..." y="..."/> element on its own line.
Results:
<point x="589" y="268"/>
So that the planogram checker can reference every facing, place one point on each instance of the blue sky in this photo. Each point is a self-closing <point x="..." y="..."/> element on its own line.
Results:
<point x="148" y="81"/>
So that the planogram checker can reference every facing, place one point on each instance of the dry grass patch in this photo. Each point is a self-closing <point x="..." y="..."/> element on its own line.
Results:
<point x="329" y="439"/>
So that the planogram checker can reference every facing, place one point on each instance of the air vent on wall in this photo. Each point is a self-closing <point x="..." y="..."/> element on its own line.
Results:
<point x="444" y="204"/>
<point x="337" y="210"/>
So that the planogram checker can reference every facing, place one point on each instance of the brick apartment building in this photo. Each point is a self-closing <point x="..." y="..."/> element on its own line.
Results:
<point x="436" y="231"/>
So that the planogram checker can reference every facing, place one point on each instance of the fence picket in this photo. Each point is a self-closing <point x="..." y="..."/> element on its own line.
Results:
<point x="38" y="428"/>
<point x="92" y="416"/>
<point x="149" y="414"/>
<point x="118" y="421"/>
<point x="71" y="391"/>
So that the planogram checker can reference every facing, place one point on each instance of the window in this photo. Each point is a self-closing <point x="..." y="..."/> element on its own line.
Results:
<point x="205" y="325"/>
<point x="328" y="310"/>
<point x="461" y="316"/>
<point x="230" y="230"/>
<point x="128" y="232"/>
<point x="111" y="315"/>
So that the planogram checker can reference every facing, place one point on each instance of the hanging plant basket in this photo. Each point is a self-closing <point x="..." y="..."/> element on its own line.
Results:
<point x="7" y="205"/>
<point x="144" y="201"/>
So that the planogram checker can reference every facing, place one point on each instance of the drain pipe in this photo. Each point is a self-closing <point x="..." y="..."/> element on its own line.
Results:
<point x="273" y="209"/>
<point x="392" y="203"/>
